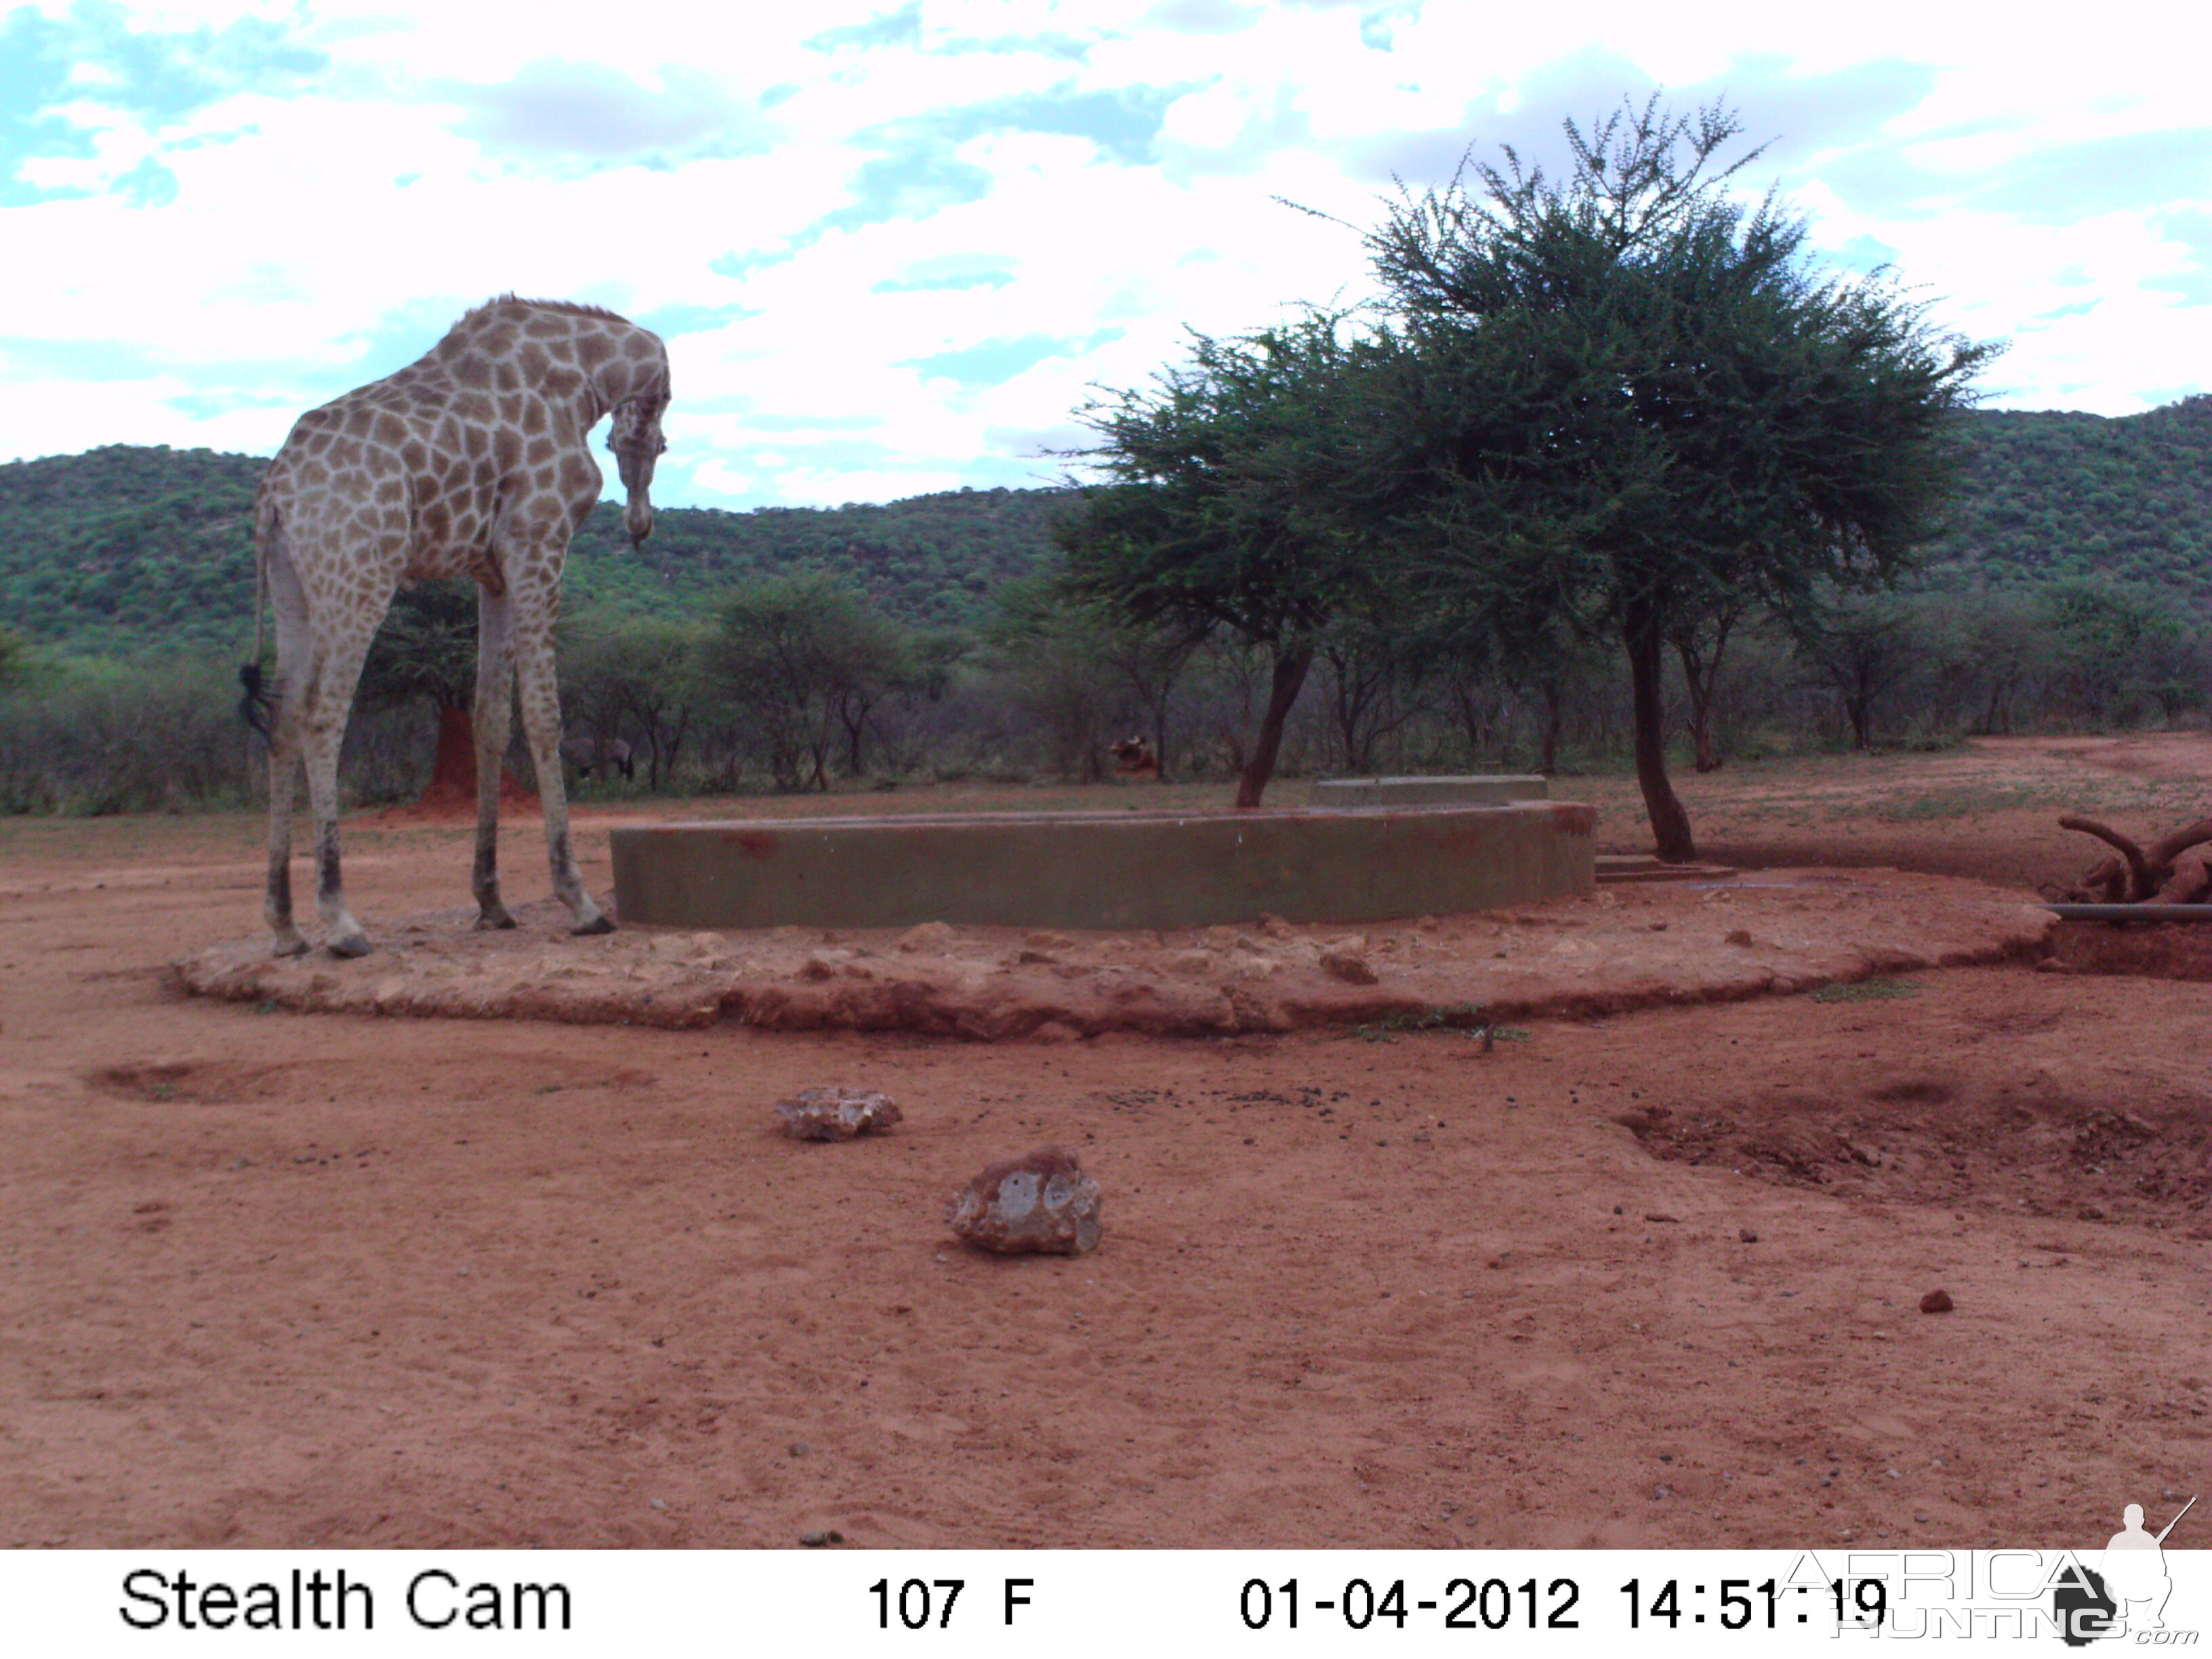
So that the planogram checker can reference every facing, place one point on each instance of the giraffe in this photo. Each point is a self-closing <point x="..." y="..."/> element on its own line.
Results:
<point x="471" y="461"/>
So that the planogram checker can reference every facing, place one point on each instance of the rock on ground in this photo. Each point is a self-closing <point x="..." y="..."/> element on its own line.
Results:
<point x="1040" y="1203"/>
<point x="835" y="1114"/>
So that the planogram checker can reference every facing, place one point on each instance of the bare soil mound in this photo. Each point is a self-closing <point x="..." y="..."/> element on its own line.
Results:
<point x="1929" y="1134"/>
<point x="1634" y="947"/>
<point x="2149" y="950"/>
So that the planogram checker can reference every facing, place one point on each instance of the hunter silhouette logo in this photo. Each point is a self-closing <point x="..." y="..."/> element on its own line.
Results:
<point x="2128" y="1597"/>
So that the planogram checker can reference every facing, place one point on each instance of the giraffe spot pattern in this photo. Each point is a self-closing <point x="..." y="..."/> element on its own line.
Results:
<point x="407" y="478"/>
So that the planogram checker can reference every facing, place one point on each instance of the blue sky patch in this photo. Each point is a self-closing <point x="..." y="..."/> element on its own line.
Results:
<point x="157" y="78"/>
<point x="148" y="184"/>
<point x="901" y="27"/>
<point x="918" y="170"/>
<point x="79" y="360"/>
<point x="954" y="284"/>
<point x="558" y="107"/>
<point x="34" y="71"/>
<point x="669" y="320"/>
<point x="926" y="178"/>
<point x="993" y="363"/>
<point x="737" y="266"/>
<point x="1124" y="121"/>
<point x="761" y="422"/>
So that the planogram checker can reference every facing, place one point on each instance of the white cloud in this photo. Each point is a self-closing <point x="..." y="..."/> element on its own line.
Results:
<point x="819" y="220"/>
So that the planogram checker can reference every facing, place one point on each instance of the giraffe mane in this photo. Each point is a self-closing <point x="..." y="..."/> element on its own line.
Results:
<point x="570" y="307"/>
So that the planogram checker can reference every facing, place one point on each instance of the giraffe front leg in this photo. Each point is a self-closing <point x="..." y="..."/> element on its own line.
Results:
<point x="541" y="724"/>
<point x="494" y="701"/>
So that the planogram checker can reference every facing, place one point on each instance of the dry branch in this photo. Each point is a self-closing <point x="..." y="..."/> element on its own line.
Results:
<point x="2170" y="847"/>
<point x="2141" y="880"/>
<point x="2169" y="873"/>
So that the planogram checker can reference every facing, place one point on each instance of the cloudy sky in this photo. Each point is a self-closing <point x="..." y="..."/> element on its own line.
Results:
<point x="891" y="247"/>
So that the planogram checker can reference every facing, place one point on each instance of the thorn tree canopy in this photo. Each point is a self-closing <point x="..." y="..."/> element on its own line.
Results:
<point x="1627" y="398"/>
<point x="1230" y="502"/>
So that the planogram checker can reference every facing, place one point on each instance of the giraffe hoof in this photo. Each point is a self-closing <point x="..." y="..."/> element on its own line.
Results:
<point x="353" y="945"/>
<point x="596" y="925"/>
<point x="491" y="920"/>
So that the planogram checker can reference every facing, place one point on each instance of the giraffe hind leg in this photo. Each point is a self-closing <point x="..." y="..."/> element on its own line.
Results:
<point x="282" y="731"/>
<point x="329" y="696"/>
<point x="283" y="772"/>
<point x="495" y="701"/>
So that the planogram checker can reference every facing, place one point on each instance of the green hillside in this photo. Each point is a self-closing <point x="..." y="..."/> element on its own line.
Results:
<point x="2050" y="494"/>
<point x="122" y="550"/>
<point x="935" y="560"/>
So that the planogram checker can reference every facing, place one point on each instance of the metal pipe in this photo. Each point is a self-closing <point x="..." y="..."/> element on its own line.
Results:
<point x="2131" y="912"/>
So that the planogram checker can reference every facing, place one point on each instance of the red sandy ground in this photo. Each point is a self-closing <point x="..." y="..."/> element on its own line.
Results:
<point x="283" y="1279"/>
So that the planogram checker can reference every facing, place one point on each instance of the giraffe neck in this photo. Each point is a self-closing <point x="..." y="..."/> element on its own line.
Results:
<point x="581" y="356"/>
<point x="625" y="380"/>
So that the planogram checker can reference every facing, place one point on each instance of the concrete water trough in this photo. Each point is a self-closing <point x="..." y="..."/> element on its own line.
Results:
<point x="1128" y="869"/>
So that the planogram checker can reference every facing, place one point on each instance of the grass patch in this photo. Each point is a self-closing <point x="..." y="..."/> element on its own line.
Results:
<point x="1465" y="1017"/>
<point x="1964" y="802"/>
<point x="1868" y="990"/>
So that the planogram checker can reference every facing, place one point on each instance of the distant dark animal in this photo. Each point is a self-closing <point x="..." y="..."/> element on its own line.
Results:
<point x="587" y="753"/>
<point x="1135" y="760"/>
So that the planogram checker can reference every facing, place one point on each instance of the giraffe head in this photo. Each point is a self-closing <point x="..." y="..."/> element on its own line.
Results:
<point x="634" y="436"/>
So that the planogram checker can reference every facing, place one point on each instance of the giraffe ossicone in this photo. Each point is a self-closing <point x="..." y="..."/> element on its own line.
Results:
<point x="472" y="461"/>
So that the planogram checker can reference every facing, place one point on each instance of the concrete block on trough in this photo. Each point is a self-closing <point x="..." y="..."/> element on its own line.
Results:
<point x="1485" y="789"/>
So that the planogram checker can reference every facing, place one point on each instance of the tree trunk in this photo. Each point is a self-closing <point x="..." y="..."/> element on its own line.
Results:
<point x="1705" y="756"/>
<point x="1701" y="674"/>
<point x="455" y="772"/>
<point x="664" y="766"/>
<point x="454" y="775"/>
<point x="1288" y="679"/>
<point x="1670" y="824"/>
<point x="852" y="714"/>
<point x="1156" y="703"/>
<point x="1855" y="710"/>
<point x="1547" y="754"/>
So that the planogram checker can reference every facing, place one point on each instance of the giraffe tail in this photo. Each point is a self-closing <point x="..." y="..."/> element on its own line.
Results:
<point x="254" y="707"/>
<point x="259" y="699"/>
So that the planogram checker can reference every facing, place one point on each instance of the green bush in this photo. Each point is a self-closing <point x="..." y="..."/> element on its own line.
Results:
<point x="93" y="737"/>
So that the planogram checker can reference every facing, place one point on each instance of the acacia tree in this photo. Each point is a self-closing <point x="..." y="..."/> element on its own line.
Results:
<point x="1625" y="397"/>
<point x="1864" y="645"/>
<point x="638" y="671"/>
<point x="1082" y="661"/>
<point x="805" y="659"/>
<point x="1231" y="504"/>
<point x="1378" y="678"/>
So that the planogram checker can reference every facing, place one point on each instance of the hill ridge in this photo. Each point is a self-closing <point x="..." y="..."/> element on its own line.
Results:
<point x="124" y="550"/>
